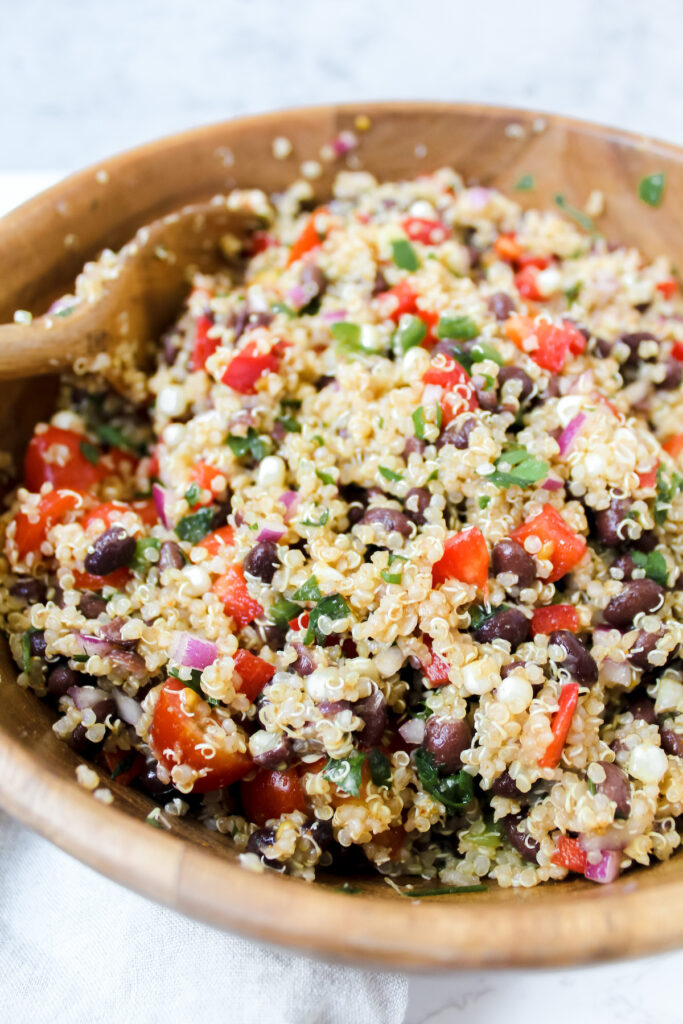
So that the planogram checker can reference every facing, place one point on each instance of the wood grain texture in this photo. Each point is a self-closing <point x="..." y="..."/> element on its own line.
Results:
<point x="42" y="247"/>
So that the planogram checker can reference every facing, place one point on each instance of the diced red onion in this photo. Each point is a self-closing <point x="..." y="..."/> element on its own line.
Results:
<point x="344" y="143"/>
<point x="334" y="314"/>
<point x="270" y="533"/>
<point x="297" y="296"/>
<point x="86" y="696"/>
<point x="128" y="709"/>
<point x="289" y="499"/>
<point x="618" y="672"/>
<point x="552" y="485"/>
<point x="581" y="384"/>
<point x="193" y="651"/>
<point x="413" y="731"/>
<point x="162" y="500"/>
<point x="478" y="197"/>
<point x="570" y="432"/>
<point x="95" y="645"/>
<point x="605" y="870"/>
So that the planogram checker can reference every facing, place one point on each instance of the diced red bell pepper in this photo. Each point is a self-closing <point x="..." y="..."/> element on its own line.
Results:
<point x="87" y="581"/>
<point x="554" y="616"/>
<point x="554" y="343"/>
<point x="460" y="395"/>
<point x="300" y="621"/>
<point x="248" y="365"/>
<point x="570" y="854"/>
<point x="254" y="673"/>
<point x="308" y="240"/>
<point x="231" y="590"/>
<point x="180" y="734"/>
<point x="649" y="478"/>
<point x="55" y="456"/>
<point x="203" y="475"/>
<point x="428" y="232"/>
<point x="437" y="670"/>
<point x="218" y="540"/>
<point x="271" y="794"/>
<point x="31" y="531"/>
<point x="530" y="259"/>
<point x="260" y="241"/>
<point x="114" y="758"/>
<point x="674" y="446"/>
<point x="465" y="558"/>
<point x="667" y="288"/>
<point x="400" y="299"/>
<point x="507" y="247"/>
<point x="559" y="544"/>
<point x="562" y="719"/>
<point x="204" y="346"/>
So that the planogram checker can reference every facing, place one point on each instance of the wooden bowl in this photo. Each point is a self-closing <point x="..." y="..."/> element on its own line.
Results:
<point x="42" y="246"/>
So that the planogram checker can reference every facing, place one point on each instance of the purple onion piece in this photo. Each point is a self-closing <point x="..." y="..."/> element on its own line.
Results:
<point x="128" y="709"/>
<point x="552" y="485"/>
<point x="606" y="870"/>
<point x="193" y="651"/>
<point x="96" y="645"/>
<point x="162" y="499"/>
<point x="267" y="533"/>
<point x="413" y="731"/>
<point x="570" y="433"/>
<point x="86" y="696"/>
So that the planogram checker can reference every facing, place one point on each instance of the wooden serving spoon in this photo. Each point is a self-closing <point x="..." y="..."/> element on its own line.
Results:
<point x="115" y="331"/>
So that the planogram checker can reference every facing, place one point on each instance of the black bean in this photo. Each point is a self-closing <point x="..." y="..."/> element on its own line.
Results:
<point x="611" y="523"/>
<point x="501" y="305"/>
<point x="276" y="756"/>
<point x="616" y="787"/>
<point x="92" y="606"/>
<point x="30" y="590"/>
<point x="112" y="550"/>
<point x="636" y="597"/>
<point x="509" y="556"/>
<point x="333" y="707"/>
<point x="148" y="780"/>
<point x="507" y="669"/>
<point x="577" y="661"/>
<point x="170" y="346"/>
<point x="56" y="595"/>
<point x="260" y="841"/>
<point x="274" y="636"/>
<point x="262" y="561"/>
<point x="220" y="516"/>
<point x="278" y="432"/>
<point x="171" y="556"/>
<point x="414" y="444"/>
<point x="37" y="644"/>
<point x="105" y="707"/>
<point x="486" y="397"/>
<point x="457" y="434"/>
<point x="673" y="375"/>
<point x="646" y="542"/>
<point x="305" y="663"/>
<point x="389" y="519"/>
<point x="643" y="645"/>
<point x="523" y="843"/>
<point x="321" y="832"/>
<point x="446" y="739"/>
<point x="509" y="624"/>
<point x="112" y="631"/>
<point x="672" y="741"/>
<point x="603" y="348"/>
<point x="643" y="708"/>
<point x="373" y="711"/>
<point x="506" y="786"/>
<point x="380" y="283"/>
<point x="625" y="564"/>
<point x="81" y="744"/>
<point x="324" y="382"/>
<point x="524" y="387"/>
<point x="417" y="501"/>
<point x="633" y="341"/>
<point x="61" y="678"/>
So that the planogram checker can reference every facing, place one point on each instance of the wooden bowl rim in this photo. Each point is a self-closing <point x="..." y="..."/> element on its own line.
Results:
<point x="564" y="923"/>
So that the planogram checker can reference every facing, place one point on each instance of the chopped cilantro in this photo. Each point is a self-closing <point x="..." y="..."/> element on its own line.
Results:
<point x="419" y="422"/>
<point x="333" y="607"/>
<point x="390" y="474"/>
<point x="124" y="764"/>
<point x="521" y="469"/>
<point x="90" y="452"/>
<point x="308" y="591"/>
<point x="290" y="403"/>
<point x="258" y="447"/>
<point x="192" y="494"/>
<point x="410" y="332"/>
<point x="572" y="294"/>
<point x="195" y="683"/>
<point x="195" y="527"/>
<point x="526" y="183"/>
<point x="484" y="501"/>
<point x="380" y="769"/>
<point x="654" y="565"/>
<point x="282" y="307"/>
<point x="666" y="492"/>
<point x="326" y="478"/>
<point x="454" y="791"/>
<point x="460" y="328"/>
<point x="321" y="522"/>
<point x="141" y="561"/>
<point x="479" y="615"/>
<point x="291" y="425"/>
<point x="283" y="611"/>
<point x="581" y="218"/>
<point x="345" y="772"/>
<point x="404" y="255"/>
<point x="112" y="436"/>
<point x="651" y="188"/>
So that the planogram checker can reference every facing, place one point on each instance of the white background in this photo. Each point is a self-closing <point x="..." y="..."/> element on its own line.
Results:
<point x="80" y="80"/>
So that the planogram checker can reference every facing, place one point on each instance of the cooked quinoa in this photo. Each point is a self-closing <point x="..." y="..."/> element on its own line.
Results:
<point x="388" y="570"/>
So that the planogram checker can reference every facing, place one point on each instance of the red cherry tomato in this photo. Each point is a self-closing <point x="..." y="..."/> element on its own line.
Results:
<point x="55" y="456"/>
<point x="428" y="232"/>
<point x="219" y="539"/>
<point x="32" y="530"/>
<point x="271" y="794"/>
<point x="248" y="366"/>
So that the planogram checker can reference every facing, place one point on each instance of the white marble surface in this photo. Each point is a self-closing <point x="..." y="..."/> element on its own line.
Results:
<point x="80" y="80"/>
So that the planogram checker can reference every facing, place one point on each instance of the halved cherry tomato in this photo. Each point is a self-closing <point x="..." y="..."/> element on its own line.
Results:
<point x="668" y="288"/>
<point x="248" y="366"/>
<point x="460" y="395"/>
<point x="429" y="232"/>
<point x="219" y="539"/>
<point x="204" y="346"/>
<point x="674" y="446"/>
<point x="254" y="673"/>
<point x="530" y="259"/>
<point x="110" y="512"/>
<point x="203" y="475"/>
<point x="465" y="558"/>
<point x="559" y="544"/>
<point x="300" y="621"/>
<point x="554" y="616"/>
<point x="87" y="581"/>
<point x="562" y="719"/>
<point x="569" y="854"/>
<point x="308" y="240"/>
<point x="271" y="794"/>
<point x="55" y="457"/>
<point x="260" y="241"/>
<point x="32" y="531"/>
<point x="232" y="592"/>
<point x="114" y="758"/>
<point x="184" y="731"/>
<point x="392" y="839"/>
<point x="117" y="462"/>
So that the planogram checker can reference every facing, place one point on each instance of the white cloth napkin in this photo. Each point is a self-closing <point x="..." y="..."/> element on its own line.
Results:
<point x="76" y="948"/>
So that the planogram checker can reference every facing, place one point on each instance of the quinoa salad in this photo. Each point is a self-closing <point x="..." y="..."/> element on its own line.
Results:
<point x="386" y="572"/>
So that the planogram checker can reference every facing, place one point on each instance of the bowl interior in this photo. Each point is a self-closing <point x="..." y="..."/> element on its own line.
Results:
<point x="42" y="246"/>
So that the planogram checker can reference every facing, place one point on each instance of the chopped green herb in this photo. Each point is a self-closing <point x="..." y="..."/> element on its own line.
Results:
<point x="651" y="188"/>
<point x="124" y="764"/>
<point x="654" y="565"/>
<point x="290" y="403"/>
<point x="258" y="447"/>
<point x="380" y="422"/>
<point x="309" y="591"/>
<point x="396" y="558"/>
<point x="283" y="611"/>
<point x="526" y="183"/>
<point x="517" y="467"/>
<point x="380" y="769"/>
<point x="195" y="527"/>
<point x="419" y="422"/>
<point x="345" y="773"/>
<point x="391" y="577"/>
<point x="404" y="255"/>
<point x="26" y="648"/>
<point x="282" y="307"/>
<point x="434" y="475"/>
<point x="572" y="294"/>
<point x="326" y="478"/>
<point x="333" y="607"/>
<point x="666" y="492"/>
<point x="592" y="787"/>
<point x="153" y="818"/>
<point x="447" y="890"/>
<point x="195" y="683"/>
<point x="319" y="440"/>
<point x="291" y="425"/>
<point x="454" y="791"/>
<point x="459" y="328"/>
<point x="390" y="474"/>
<point x="192" y="494"/>
<point x="112" y="436"/>
<point x="410" y="332"/>
<point x="67" y="311"/>
<point x="350" y="890"/>
<point x="484" y="501"/>
<point x="90" y="452"/>
<point x="479" y="615"/>
<point x="312" y="308"/>
<point x="321" y="522"/>
<point x="141" y="561"/>
<point x="581" y="218"/>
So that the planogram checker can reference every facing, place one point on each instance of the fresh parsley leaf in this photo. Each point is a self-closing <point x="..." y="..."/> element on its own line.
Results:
<point x="479" y="615"/>
<point x="517" y="467"/>
<point x="282" y="307"/>
<point x="112" y="436"/>
<point x="345" y="773"/>
<point x="404" y="255"/>
<point x="419" y="422"/>
<point x="140" y="561"/>
<point x="666" y="492"/>
<point x="283" y="611"/>
<point x="194" y="681"/>
<point x="258" y="447"/>
<point x="192" y="494"/>
<point x="651" y="188"/>
<point x="333" y="607"/>
<point x="321" y="522"/>
<point x="326" y="478"/>
<point x="290" y="403"/>
<point x="654" y="565"/>
<point x="396" y="558"/>
<point x="90" y="452"/>
<point x="581" y="218"/>
<point x="572" y="294"/>
<point x="526" y="183"/>
<point x="309" y="591"/>
<point x="380" y="769"/>
<point x="454" y="791"/>
<point x="195" y="527"/>
<point x="459" y="328"/>
<point x="484" y="501"/>
<point x="390" y="474"/>
<point x="291" y="425"/>
<point x="391" y="577"/>
<point x="124" y="764"/>
<point x="410" y="332"/>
